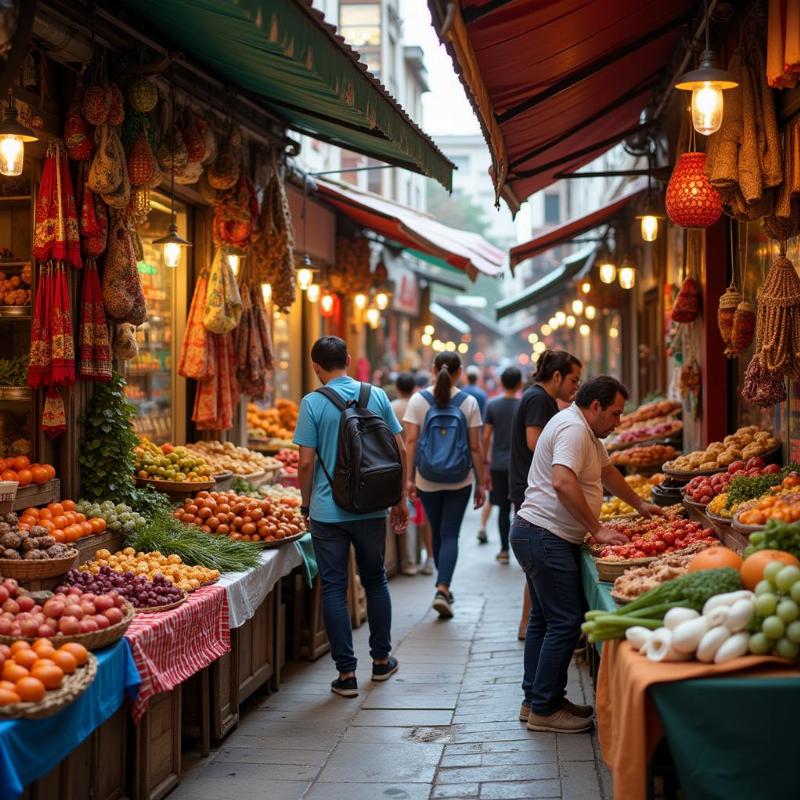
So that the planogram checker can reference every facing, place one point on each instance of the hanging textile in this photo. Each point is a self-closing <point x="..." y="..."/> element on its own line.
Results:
<point x="95" y="347"/>
<point x="783" y="43"/>
<point x="56" y="233"/>
<point x="196" y="347"/>
<point x="253" y="346"/>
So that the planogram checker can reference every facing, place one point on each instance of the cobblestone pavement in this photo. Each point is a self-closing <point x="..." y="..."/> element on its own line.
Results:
<point x="444" y="727"/>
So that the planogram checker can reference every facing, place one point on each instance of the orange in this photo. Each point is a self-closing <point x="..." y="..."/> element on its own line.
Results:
<point x="80" y="517"/>
<point x="69" y="505"/>
<point x="71" y="516"/>
<point x="86" y="528"/>
<point x="31" y="511"/>
<point x="45" y="513"/>
<point x="39" y="475"/>
<point x="752" y="570"/>
<point x="43" y="648"/>
<point x="65" y="661"/>
<point x="57" y="534"/>
<point x="8" y="686"/>
<point x="25" y="476"/>
<point x="8" y="475"/>
<point x="715" y="558"/>
<point x="7" y="697"/>
<point x="21" y="462"/>
<point x="25" y="658"/>
<point x="20" y="644"/>
<point x="60" y="521"/>
<point x="56" y="508"/>
<point x="31" y="690"/>
<point x="51" y="677"/>
<point x="50" y="470"/>
<point x="13" y="672"/>
<point x="98" y="524"/>
<point x="72" y="533"/>
<point x="78" y="650"/>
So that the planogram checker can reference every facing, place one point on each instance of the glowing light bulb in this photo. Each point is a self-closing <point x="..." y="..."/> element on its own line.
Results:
<point x="373" y="317"/>
<point x="586" y="286"/>
<point x="608" y="272"/>
<point x="12" y="155"/>
<point x="707" y="107"/>
<point x="539" y="348"/>
<point x="382" y="300"/>
<point x="590" y="312"/>
<point x="438" y="345"/>
<point x="430" y="330"/>
<point x="570" y="321"/>
<point x="546" y="329"/>
<point x="553" y="323"/>
<point x="266" y="292"/>
<point x="577" y="307"/>
<point x="532" y="338"/>
<point x="584" y="330"/>
<point x="450" y="347"/>
<point x="172" y="254"/>
<point x="427" y="340"/>
<point x="360" y="301"/>
<point x="313" y="292"/>
<point x="233" y="263"/>
<point x="463" y="348"/>
<point x="613" y="333"/>
<point x="627" y="277"/>
<point x="305" y="277"/>
<point x="326" y="304"/>
<point x="561" y="317"/>
<point x="649" y="228"/>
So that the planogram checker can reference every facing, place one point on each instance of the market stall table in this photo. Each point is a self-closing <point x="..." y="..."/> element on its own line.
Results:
<point x="29" y="749"/>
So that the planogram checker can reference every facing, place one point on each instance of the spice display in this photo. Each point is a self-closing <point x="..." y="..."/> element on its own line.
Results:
<point x="761" y="386"/>
<point x="747" y="442"/>
<point x="644" y="456"/>
<point x="649" y="411"/>
<point x="778" y="327"/>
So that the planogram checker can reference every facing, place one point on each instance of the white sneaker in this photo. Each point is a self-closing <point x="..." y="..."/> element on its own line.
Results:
<point x="409" y="569"/>
<point x="428" y="567"/>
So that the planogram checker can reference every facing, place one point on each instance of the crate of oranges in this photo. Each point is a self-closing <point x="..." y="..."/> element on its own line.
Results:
<point x="21" y="470"/>
<point x="39" y="679"/>
<point x="62" y="521"/>
<point x="756" y="514"/>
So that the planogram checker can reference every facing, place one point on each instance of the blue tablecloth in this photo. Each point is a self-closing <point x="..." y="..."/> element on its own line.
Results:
<point x="29" y="749"/>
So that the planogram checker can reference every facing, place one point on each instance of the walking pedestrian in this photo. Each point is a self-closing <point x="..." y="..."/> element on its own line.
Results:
<point x="497" y="433"/>
<point x="346" y="415"/>
<point x="557" y="377"/>
<point x="443" y="439"/>
<point x="405" y="385"/>
<point x="423" y="380"/>
<point x="562" y="501"/>
<point x="473" y="374"/>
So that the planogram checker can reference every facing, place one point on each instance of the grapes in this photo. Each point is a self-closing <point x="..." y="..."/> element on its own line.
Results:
<point x="786" y="648"/>
<point x="756" y="538"/>
<point x="773" y="627"/>
<point x="787" y="577"/>
<point x="763" y="587"/>
<point x="793" y="631"/>
<point x="766" y="604"/>
<point x="794" y="592"/>
<point x="772" y="569"/>
<point x="788" y="611"/>
<point x="759" y="644"/>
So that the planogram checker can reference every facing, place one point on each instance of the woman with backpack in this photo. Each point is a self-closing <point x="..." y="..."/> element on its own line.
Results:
<point x="443" y="427"/>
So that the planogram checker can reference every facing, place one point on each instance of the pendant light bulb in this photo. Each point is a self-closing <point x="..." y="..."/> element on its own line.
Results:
<point x="561" y="317"/>
<point x="313" y="293"/>
<point x="427" y="340"/>
<point x="586" y="286"/>
<point x="546" y="329"/>
<point x="649" y="228"/>
<point x="590" y="312"/>
<point x="553" y="323"/>
<point x="613" y="333"/>
<point x="382" y="300"/>
<point x="172" y="245"/>
<point x="608" y="272"/>
<point x="463" y="348"/>
<point x="577" y="307"/>
<point x="707" y="108"/>
<point x="627" y="277"/>
<point x="450" y="347"/>
<point x="584" y="330"/>
<point x="326" y="304"/>
<point x="570" y="321"/>
<point x="305" y="277"/>
<point x="172" y="254"/>
<point x="539" y="348"/>
<point x="373" y="317"/>
<point x="360" y="301"/>
<point x="707" y="83"/>
<point x="12" y="141"/>
<point x="532" y="338"/>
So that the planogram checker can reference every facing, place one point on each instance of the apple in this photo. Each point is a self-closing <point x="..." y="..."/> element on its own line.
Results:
<point x="46" y="631"/>
<point x="11" y="606"/>
<point x="25" y="603"/>
<point x="73" y="610"/>
<point x="12" y="586"/>
<point x="102" y="621"/>
<point x="69" y="625"/>
<point x="103" y="602"/>
<point x="5" y="626"/>
<point x="29" y="627"/>
<point x="88" y="608"/>
<point x="88" y="625"/>
<point x="114" y="615"/>
<point x="54" y="608"/>
<point x="4" y="594"/>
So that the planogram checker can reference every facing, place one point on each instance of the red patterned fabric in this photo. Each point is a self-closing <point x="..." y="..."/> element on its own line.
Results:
<point x="56" y="233"/>
<point x="62" y="343"/>
<point x="692" y="202"/>
<point x="172" y="646"/>
<point x="95" y="346"/>
<point x="39" y="364"/>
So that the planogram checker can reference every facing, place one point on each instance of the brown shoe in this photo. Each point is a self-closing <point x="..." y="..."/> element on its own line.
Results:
<point x="560" y="721"/>
<point x="524" y="712"/>
<point x="577" y="709"/>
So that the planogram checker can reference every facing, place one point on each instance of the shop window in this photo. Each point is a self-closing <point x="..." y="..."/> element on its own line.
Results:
<point x="151" y="379"/>
<point x="360" y="25"/>
<point x="552" y="208"/>
<point x="375" y="176"/>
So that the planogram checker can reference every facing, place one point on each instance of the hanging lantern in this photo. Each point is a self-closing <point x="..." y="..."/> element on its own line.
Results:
<point x="546" y="329"/>
<point x="12" y="140"/>
<point x="577" y="307"/>
<point x="586" y="286"/>
<point x="591" y="312"/>
<point x="692" y="202"/>
<point x="627" y="275"/>
<point x="382" y="300"/>
<point x="360" y="300"/>
<point x="313" y="293"/>
<point x="570" y="321"/>
<point x="327" y="304"/>
<point x="607" y="271"/>
<point x="584" y="330"/>
<point x="706" y="83"/>
<point x="561" y="318"/>
<point x="374" y="318"/>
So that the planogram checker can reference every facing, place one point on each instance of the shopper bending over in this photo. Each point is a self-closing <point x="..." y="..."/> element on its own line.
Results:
<point x="562" y="503"/>
<point x="334" y="529"/>
<point x="443" y="439"/>
<point x="497" y="433"/>
<point x="557" y="377"/>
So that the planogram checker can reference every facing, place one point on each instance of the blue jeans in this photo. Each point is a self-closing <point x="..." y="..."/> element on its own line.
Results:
<point x="332" y="542"/>
<point x="445" y="511"/>
<point x="552" y="569"/>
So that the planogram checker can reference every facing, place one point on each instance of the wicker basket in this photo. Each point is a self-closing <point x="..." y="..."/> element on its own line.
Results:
<point x="91" y="641"/>
<point x="275" y="543"/>
<point x="609" y="570"/>
<point x="23" y="570"/>
<point x="73" y="686"/>
<point x="620" y="600"/>
<point x="167" y="607"/>
<point x="176" y="487"/>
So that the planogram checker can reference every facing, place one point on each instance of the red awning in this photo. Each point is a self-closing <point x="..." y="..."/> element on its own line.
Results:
<point x="556" y="84"/>
<point x="575" y="227"/>
<point x="466" y="251"/>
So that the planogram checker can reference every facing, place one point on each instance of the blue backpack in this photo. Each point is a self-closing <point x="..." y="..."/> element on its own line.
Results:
<point x="443" y="454"/>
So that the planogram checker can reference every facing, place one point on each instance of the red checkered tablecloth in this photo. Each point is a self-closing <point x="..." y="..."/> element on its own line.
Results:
<point x="171" y="646"/>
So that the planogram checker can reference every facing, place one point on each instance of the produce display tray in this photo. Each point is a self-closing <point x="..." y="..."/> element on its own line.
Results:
<point x="716" y="518"/>
<point x="222" y="476"/>
<point x="22" y="570"/>
<point x="91" y="641"/>
<point x="687" y="476"/>
<point x="694" y="504"/>
<point x="73" y="686"/>
<point x="608" y="570"/>
<point x="176" y="487"/>
<point x="275" y="543"/>
<point x="22" y="312"/>
<point x="35" y="494"/>
<point x="740" y="527"/>
<point x="664" y="438"/>
<point x="16" y="393"/>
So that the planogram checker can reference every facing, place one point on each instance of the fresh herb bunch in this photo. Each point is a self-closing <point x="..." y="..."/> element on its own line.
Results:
<point x="168" y="535"/>
<point x="743" y="489"/>
<point x="14" y="371"/>
<point x="777" y="535"/>
<point x="148" y="501"/>
<point x="687" y="591"/>
<point x="243" y="487"/>
<point x="106" y="456"/>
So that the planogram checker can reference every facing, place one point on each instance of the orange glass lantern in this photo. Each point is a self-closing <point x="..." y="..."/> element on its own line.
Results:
<point x="692" y="202"/>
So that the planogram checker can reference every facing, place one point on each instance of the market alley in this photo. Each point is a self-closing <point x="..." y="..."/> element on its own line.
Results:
<point x="445" y="727"/>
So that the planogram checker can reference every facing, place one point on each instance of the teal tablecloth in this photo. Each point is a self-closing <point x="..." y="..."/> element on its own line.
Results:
<point x="306" y="549"/>
<point x="731" y="738"/>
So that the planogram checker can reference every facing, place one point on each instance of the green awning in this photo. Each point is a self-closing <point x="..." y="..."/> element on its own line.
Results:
<point x="284" y="52"/>
<point x="550" y="285"/>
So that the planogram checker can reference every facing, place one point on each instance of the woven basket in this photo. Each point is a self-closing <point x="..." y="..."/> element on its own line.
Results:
<point x="32" y="570"/>
<point x="621" y="600"/>
<point x="275" y="543"/>
<point x="167" y="607"/>
<point x="73" y="686"/>
<point x="608" y="570"/>
<point x="91" y="641"/>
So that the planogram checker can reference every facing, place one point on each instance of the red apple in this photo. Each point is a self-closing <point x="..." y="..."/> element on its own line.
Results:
<point x="46" y="631"/>
<point x="73" y="610"/>
<point x="69" y="625"/>
<point x="29" y="627"/>
<point x="114" y="615"/>
<point x="102" y="621"/>
<point x="25" y="603"/>
<point x="11" y="606"/>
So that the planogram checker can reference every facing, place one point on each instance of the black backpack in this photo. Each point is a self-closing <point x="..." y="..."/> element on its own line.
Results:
<point x="369" y="474"/>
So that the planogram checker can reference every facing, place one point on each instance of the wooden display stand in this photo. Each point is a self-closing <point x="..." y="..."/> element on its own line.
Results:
<point x="196" y="710"/>
<point x="89" y="545"/>
<point x="157" y="749"/>
<point x="97" y="768"/>
<point x="309" y="637"/>
<point x="254" y="646"/>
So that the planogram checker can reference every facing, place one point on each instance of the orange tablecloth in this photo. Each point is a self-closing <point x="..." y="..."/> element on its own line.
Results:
<point x="628" y="725"/>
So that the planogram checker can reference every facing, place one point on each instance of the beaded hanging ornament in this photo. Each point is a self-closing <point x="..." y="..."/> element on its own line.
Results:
<point x="726" y="309"/>
<point x="778" y="324"/>
<point x="691" y="201"/>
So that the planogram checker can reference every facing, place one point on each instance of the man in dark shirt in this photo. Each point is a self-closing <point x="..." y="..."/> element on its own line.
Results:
<point x="497" y="431"/>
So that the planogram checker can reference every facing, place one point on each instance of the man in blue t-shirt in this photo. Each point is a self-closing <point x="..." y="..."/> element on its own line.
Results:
<point x="333" y="530"/>
<point x="473" y="374"/>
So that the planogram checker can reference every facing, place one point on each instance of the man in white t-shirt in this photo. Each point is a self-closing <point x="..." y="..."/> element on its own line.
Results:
<point x="562" y="502"/>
